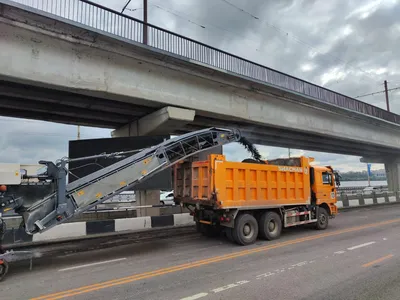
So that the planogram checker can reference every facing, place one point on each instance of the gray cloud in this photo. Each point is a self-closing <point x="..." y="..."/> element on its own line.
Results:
<point x="348" y="46"/>
<point x="26" y="141"/>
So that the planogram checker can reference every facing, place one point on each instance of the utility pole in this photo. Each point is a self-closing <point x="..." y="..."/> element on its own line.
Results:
<point x="79" y="132"/>
<point x="144" y="18"/>
<point x="369" y="174"/>
<point x="145" y="22"/>
<point x="387" y="95"/>
<point x="289" y="152"/>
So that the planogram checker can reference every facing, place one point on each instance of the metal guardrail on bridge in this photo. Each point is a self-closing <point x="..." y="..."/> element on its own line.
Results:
<point x="102" y="18"/>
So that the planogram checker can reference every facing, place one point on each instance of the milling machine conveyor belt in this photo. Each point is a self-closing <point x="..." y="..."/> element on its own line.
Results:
<point x="81" y="195"/>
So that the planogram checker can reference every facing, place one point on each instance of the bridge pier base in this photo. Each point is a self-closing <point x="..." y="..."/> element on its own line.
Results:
<point x="147" y="197"/>
<point x="392" y="168"/>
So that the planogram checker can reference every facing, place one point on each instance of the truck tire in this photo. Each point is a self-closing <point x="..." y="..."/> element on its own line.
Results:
<point x="270" y="225"/>
<point x="229" y="234"/>
<point x="3" y="270"/>
<point x="245" y="231"/>
<point x="323" y="218"/>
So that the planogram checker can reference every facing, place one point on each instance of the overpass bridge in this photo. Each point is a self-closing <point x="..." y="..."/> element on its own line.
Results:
<point x="77" y="62"/>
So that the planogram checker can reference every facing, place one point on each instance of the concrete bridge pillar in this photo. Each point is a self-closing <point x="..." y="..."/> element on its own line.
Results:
<point x="392" y="169"/>
<point x="161" y="122"/>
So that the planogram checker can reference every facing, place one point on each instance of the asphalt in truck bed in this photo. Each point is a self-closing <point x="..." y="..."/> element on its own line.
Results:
<point x="357" y="257"/>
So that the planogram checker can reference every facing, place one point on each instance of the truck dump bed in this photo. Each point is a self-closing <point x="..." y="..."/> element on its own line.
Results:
<point x="223" y="184"/>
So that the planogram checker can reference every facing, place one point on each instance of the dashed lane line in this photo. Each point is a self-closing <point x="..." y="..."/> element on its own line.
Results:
<point x="361" y="245"/>
<point x="194" y="297"/>
<point x="229" y="286"/>
<point x="91" y="265"/>
<point x="377" y="261"/>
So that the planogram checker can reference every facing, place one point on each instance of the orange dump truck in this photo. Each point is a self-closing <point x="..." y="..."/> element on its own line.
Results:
<point x="252" y="198"/>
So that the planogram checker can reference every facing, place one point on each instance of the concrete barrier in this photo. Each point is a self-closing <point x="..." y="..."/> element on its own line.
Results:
<point x="359" y="200"/>
<point x="95" y="228"/>
<point x="88" y="229"/>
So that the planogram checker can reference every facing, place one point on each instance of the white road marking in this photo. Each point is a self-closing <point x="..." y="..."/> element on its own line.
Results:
<point x="265" y="275"/>
<point x="300" y="264"/>
<point x="280" y="270"/>
<point x="277" y="271"/>
<point x="385" y="239"/>
<point x="93" y="264"/>
<point x="194" y="297"/>
<point x="359" y="246"/>
<point x="340" y="252"/>
<point x="229" y="286"/>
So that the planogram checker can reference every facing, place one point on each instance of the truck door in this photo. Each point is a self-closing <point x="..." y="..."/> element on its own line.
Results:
<point x="327" y="188"/>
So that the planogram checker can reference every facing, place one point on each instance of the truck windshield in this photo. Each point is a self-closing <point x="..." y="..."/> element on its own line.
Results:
<point x="326" y="178"/>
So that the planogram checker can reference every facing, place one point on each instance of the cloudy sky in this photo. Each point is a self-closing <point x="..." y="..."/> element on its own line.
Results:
<point x="350" y="46"/>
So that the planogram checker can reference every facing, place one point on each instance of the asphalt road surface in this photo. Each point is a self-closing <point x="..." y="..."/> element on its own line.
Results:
<point x="357" y="257"/>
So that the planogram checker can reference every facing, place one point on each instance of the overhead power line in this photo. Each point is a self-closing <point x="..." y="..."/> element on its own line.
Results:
<point x="175" y="14"/>
<point x="278" y="29"/>
<point x="300" y="41"/>
<point x="204" y="26"/>
<point x="241" y="9"/>
<point x="380" y="92"/>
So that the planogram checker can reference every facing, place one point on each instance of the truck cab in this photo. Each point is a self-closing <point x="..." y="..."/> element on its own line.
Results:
<point x="323" y="187"/>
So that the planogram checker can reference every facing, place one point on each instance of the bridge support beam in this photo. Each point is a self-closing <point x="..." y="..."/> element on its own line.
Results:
<point x="163" y="121"/>
<point x="392" y="168"/>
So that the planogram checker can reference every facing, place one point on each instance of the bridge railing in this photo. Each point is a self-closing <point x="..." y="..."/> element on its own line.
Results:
<point x="110" y="21"/>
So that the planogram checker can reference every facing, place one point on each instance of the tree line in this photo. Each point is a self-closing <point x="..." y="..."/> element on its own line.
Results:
<point x="360" y="176"/>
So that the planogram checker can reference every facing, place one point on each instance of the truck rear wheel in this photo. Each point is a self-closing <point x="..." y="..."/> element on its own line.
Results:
<point x="323" y="218"/>
<point x="270" y="225"/>
<point x="246" y="230"/>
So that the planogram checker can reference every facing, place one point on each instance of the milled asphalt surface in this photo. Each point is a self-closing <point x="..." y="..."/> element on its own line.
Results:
<point x="337" y="263"/>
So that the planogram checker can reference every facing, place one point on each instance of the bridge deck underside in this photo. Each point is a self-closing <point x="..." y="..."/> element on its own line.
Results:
<point x="28" y="101"/>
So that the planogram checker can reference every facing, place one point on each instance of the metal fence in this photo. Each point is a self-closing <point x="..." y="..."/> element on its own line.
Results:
<point x="113" y="22"/>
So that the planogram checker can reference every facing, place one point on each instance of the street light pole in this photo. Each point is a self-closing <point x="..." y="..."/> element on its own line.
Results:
<point x="144" y="18"/>
<point x="387" y="95"/>
<point x="145" y="22"/>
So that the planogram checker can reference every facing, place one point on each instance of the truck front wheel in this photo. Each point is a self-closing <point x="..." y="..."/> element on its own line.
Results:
<point x="270" y="225"/>
<point x="246" y="230"/>
<point x="323" y="217"/>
